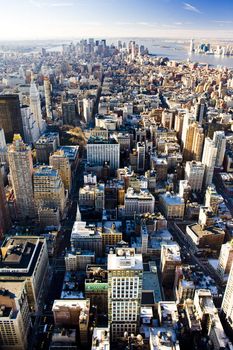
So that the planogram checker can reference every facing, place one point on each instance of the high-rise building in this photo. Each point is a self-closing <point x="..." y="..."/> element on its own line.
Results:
<point x="3" y="146"/>
<point x="87" y="109"/>
<point x="141" y="153"/>
<point x="100" y="151"/>
<point x="188" y="120"/>
<point x="30" y="127"/>
<point x="69" y="112"/>
<point x="209" y="160"/>
<point x="191" y="47"/>
<point x="208" y="315"/>
<point x="227" y="304"/>
<point x="213" y="199"/>
<point x="73" y="313"/>
<point x="220" y="143"/>
<point x="5" y="221"/>
<point x="138" y="202"/>
<point x="225" y="259"/>
<point x="21" y="170"/>
<point x="47" y="93"/>
<point x="14" y="316"/>
<point x="125" y="270"/>
<point x="59" y="161"/>
<point x="194" y="173"/>
<point x="86" y="237"/>
<point x="48" y="188"/>
<point x="35" y="106"/>
<point x="170" y="259"/>
<point x="193" y="142"/>
<point x="46" y="145"/>
<point x="10" y="116"/>
<point x="198" y="142"/>
<point x="25" y="258"/>
<point x="188" y="143"/>
<point x="201" y="110"/>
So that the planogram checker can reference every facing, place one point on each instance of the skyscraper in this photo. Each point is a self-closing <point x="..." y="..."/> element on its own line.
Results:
<point x="225" y="259"/>
<point x="47" y="92"/>
<point x="220" y="142"/>
<point x="194" y="173"/>
<point x="201" y="110"/>
<point x="100" y="150"/>
<point x="59" y="161"/>
<point x="4" y="212"/>
<point x="35" y="106"/>
<point x="193" y="142"/>
<point x="15" y="317"/>
<point x="209" y="160"/>
<point x="21" y="169"/>
<point x="3" y="146"/>
<point x="227" y="304"/>
<point x="141" y="156"/>
<point x="49" y="188"/>
<point x="198" y="142"/>
<point x="125" y="271"/>
<point x="10" y="116"/>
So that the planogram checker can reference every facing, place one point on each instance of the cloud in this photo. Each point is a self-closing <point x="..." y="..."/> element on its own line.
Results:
<point x="40" y="4"/>
<point x="147" y="24"/>
<point x="190" y="7"/>
<point x="61" y="4"/>
<point x="223" y="22"/>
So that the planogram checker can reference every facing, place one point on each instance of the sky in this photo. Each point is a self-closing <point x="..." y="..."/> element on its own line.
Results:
<point x="70" y="19"/>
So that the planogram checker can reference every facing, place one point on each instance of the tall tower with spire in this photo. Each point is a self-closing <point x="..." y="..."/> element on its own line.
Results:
<point x="35" y="106"/>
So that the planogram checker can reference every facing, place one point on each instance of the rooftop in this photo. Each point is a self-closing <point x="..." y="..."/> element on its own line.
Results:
<point x="125" y="259"/>
<point x="101" y="140"/>
<point x="19" y="255"/>
<point x="163" y="338"/>
<point x="200" y="232"/>
<point x="172" y="199"/>
<point x="100" y="339"/>
<point x="70" y="152"/>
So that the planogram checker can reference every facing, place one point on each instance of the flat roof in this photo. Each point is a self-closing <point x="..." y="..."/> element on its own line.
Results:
<point x="19" y="255"/>
<point x="211" y="230"/>
<point x="147" y="298"/>
<point x="125" y="259"/>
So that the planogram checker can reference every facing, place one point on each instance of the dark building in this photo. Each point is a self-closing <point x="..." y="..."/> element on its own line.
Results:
<point x="47" y="144"/>
<point x="10" y="116"/>
<point x="5" y="221"/>
<point x="69" y="112"/>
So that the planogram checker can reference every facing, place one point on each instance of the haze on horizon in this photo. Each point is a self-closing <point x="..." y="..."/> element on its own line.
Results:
<point x="64" y="19"/>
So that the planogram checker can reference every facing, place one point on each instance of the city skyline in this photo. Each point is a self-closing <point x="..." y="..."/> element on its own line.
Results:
<point x="68" y="19"/>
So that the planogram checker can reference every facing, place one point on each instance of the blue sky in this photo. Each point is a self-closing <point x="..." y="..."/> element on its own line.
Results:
<point x="48" y="19"/>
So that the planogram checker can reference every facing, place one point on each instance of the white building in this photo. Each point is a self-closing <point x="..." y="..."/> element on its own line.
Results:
<point x="87" y="109"/>
<point x="125" y="269"/>
<point x="172" y="205"/>
<point x="100" y="339"/>
<point x="227" y="304"/>
<point x="100" y="151"/>
<point x="138" y="202"/>
<point x="36" y="107"/>
<point x="209" y="160"/>
<point x="225" y="259"/>
<point x="194" y="173"/>
<point x="14" y="316"/>
<point x="30" y="126"/>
